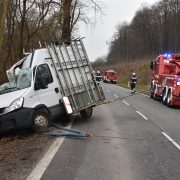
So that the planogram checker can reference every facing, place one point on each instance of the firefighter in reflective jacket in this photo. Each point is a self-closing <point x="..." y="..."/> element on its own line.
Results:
<point x="133" y="82"/>
<point x="98" y="77"/>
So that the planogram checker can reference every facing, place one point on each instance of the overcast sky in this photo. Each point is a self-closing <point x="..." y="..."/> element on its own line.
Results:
<point x="116" y="12"/>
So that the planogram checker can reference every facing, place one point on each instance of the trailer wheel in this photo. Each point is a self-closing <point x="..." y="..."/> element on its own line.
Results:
<point x="164" y="97"/>
<point x="86" y="113"/>
<point x="169" y="98"/>
<point x="40" y="120"/>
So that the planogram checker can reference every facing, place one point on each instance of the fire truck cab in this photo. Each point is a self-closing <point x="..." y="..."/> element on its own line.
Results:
<point x="165" y="82"/>
<point x="110" y="76"/>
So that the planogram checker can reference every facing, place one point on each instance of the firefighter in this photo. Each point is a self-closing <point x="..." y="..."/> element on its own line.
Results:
<point x="98" y="77"/>
<point x="133" y="82"/>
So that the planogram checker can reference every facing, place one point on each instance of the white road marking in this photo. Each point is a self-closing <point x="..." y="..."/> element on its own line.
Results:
<point x="130" y="90"/>
<point x="126" y="103"/>
<point x="124" y="88"/>
<point x="171" y="140"/>
<point x="40" y="168"/>
<point x="142" y="115"/>
<point x="108" y="90"/>
<point x="116" y="95"/>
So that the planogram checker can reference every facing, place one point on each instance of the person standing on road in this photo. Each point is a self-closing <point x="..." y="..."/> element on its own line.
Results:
<point x="98" y="77"/>
<point x="133" y="82"/>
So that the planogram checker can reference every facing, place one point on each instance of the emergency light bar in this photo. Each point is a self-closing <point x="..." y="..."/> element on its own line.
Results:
<point x="167" y="55"/>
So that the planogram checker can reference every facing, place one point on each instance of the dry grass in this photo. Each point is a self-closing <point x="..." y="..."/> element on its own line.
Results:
<point x="125" y="69"/>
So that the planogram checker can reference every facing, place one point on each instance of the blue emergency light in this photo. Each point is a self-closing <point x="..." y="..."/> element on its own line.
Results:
<point x="167" y="55"/>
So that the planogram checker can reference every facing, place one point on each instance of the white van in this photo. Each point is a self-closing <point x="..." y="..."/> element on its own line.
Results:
<point x="49" y="83"/>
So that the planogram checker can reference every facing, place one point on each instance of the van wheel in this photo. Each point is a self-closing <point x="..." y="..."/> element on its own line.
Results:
<point x="40" y="120"/>
<point x="169" y="98"/>
<point x="164" y="98"/>
<point x="86" y="113"/>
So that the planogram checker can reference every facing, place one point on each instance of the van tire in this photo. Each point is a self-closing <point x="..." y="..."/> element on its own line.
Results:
<point x="40" y="120"/>
<point x="86" y="113"/>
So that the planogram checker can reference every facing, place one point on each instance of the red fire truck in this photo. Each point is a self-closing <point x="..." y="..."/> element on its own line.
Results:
<point x="166" y="79"/>
<point x="110" y="76"/>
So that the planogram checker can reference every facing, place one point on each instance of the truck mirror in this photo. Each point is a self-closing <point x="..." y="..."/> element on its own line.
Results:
<point x="151" y="65"/>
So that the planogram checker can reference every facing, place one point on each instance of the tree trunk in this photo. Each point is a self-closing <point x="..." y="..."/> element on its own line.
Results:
<point x="21" y="38"/>
<point x="3" y="11"/>
<point x="66" y="24"/>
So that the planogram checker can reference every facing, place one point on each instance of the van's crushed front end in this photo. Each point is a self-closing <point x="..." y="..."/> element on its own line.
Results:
<point x="12" y="113"/>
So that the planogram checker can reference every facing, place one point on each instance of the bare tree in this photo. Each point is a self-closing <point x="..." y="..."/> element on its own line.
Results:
<point x="26" y="22"/>
<point x="74" y="11"/>
<point x="153" y="30"/>
<point x="3" y="11"/>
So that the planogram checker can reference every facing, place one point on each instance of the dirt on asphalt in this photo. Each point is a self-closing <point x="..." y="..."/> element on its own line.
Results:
<point x="20" y="152"/>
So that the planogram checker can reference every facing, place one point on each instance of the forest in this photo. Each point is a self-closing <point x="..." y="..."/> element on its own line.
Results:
<point x="152" y="31"/>
<point x="26" y="24"/>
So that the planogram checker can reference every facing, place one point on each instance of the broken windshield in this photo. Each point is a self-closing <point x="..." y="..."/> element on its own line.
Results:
<point x="21" y="81"/>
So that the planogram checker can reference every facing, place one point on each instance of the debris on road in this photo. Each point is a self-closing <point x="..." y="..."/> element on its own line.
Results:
<point x="67" y="132"/>
<point x="19" y="152"/>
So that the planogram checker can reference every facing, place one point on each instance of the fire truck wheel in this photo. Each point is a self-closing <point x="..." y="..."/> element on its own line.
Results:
<point x="152" y="90"/>
<point x="154" y="93"/>
<point x="40" y="120"/>
<point x="169" y="98"/>
<point x="86" y="113"/>
<point x="164" y="97"/>
<point x="151" y="95"/>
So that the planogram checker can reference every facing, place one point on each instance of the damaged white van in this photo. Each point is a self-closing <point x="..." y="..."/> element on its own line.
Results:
<point x="47" y="84"/>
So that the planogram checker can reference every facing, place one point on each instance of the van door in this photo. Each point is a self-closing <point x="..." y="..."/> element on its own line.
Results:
<point x="48" y="90"/>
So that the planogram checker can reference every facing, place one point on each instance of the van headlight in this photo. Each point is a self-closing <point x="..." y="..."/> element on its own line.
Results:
<point x="15" y="105"/>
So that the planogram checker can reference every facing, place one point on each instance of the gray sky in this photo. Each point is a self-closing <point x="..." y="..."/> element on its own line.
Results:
<point x="116" y="12"/>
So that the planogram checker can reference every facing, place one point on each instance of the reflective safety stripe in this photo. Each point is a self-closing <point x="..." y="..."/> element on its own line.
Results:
<point x="67" y="105"/>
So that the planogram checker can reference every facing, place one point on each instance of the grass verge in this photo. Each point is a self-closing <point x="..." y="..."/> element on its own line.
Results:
<point x="125" y="69"/>
<point x="140" y="87"/>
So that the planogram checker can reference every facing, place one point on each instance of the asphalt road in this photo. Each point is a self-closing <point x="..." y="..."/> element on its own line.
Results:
<point x="136" y="138"/>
